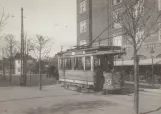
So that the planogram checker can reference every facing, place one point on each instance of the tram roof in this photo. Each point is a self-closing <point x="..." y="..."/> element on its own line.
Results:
<point x="79" y="51"/>
<point x="95" y="53"/>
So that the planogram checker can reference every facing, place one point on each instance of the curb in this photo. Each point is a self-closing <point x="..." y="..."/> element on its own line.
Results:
<point x="153" y="90"/>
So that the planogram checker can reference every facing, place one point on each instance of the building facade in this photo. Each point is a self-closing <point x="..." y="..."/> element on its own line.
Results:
<point x="98" y="24"/>
<point x="17" y="66"/>
<point x="17" y="63"/>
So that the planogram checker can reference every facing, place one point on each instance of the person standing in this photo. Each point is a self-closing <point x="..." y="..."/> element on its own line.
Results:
<point x="98" y="79"/>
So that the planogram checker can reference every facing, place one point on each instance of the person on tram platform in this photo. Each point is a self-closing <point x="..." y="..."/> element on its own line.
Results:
<point x="98" y="79"/>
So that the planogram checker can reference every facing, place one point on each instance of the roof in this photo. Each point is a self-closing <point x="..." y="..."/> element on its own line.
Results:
<point x="100" y="50"/>
<point x="18" y="56"/>
<point x="95" y="53"/>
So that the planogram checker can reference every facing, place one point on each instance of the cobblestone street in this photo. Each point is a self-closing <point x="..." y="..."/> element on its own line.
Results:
<point x="56" y="100"/>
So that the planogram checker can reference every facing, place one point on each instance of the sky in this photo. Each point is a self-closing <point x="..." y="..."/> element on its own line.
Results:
<point x="53" y="18"/>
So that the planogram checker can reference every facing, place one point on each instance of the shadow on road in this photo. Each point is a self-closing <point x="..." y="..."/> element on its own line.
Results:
<point x="124" y="91"/>
<point x="159" y="108"/>
<point x="67" y="106"/>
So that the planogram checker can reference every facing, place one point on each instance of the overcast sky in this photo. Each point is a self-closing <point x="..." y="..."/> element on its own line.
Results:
<point x="53" y="18"/>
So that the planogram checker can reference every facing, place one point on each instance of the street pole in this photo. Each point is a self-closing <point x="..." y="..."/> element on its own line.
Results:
<point x="40" y="86"/>
<point x="136" y="84"/>
<point x="152" y="69"/>
<point x="152" y="52"/>
<point x="11" y="65"/>
<point x="122" y="62"/>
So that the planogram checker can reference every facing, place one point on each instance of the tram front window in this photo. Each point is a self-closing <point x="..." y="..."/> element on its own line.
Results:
<point x="107" y="63"/>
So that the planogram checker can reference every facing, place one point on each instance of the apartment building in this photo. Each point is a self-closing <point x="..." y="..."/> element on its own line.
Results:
<point x="98" y="24"/>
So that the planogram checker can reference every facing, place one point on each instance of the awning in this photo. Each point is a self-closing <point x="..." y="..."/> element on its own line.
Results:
<point x="141" y="62"/>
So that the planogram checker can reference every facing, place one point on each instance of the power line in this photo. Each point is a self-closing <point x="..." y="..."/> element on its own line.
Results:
<point x="111" y="25"/>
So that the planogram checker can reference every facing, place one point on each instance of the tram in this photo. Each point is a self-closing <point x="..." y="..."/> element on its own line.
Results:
<point x="90" y="68"/>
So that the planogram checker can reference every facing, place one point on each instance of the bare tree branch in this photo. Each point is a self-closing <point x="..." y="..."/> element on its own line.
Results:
<point x="41" y="43"/>
<point x="3" y="19"/>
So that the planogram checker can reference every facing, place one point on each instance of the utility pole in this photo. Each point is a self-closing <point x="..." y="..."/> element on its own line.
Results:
<point x="11" y="63"/>
<point x="23" y="73"/>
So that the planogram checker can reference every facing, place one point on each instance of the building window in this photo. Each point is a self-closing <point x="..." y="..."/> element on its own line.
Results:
<point x="159" y="5"/>
<point x="117" y="18"/>
<point x="83" y="42"/>
<point x="139" y="9"/>
<point x="83" y="26"/>
<point x="139" y="35"/>
<point x="116" y="2"/>
<point x="117" y="41"/>
<point x="82" y="7"/>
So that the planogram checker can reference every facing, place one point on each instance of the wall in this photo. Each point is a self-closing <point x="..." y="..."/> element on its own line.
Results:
<point x="100" y="21"/>
<point x="17" y="66"/>
<point x="81" y="17"/>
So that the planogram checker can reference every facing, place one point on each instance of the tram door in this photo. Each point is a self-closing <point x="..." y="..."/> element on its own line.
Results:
<point x="107" y="65"/>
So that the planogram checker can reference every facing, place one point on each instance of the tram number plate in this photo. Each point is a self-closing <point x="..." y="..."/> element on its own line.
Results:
<point x="108" y="81"/>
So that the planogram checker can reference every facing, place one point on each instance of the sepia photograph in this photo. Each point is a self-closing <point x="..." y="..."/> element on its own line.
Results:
<point x="80" y="56"/>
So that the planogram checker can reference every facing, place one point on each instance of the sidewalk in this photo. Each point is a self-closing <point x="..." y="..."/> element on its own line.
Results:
<point x="152" y="90"/>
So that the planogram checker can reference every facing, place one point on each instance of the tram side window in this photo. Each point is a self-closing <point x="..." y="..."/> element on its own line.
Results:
<point x="78" y="63"/>
<point x="61" y="64"/>
<point x="88" y="63"/>
<point x="68" y="64"/>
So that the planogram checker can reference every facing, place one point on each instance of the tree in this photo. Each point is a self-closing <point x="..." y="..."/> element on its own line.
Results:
<point x="41" y="48"/>
<point x="138" y="21"/>
<point x="9" y="51"/>
<point x="3" y="20"/>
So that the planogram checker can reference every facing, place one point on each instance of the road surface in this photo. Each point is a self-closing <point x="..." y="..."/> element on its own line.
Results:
<point x="57" y="100"/>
